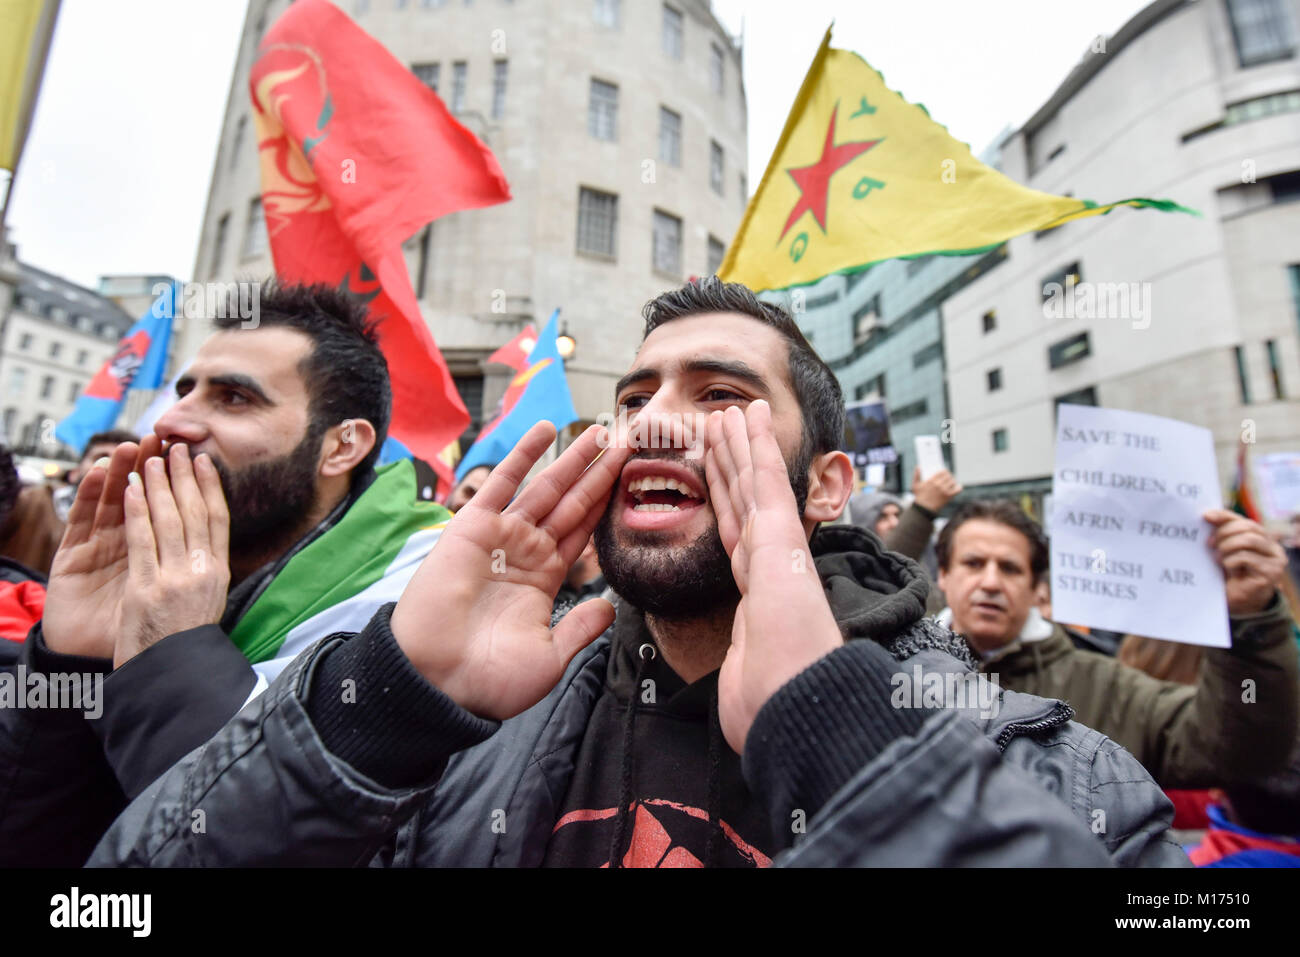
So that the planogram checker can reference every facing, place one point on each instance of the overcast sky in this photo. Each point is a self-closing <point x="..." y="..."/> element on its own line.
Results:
<point x="116" y="169"/>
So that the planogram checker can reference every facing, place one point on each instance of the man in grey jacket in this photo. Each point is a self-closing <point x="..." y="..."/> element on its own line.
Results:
<point x="743" y="709"/>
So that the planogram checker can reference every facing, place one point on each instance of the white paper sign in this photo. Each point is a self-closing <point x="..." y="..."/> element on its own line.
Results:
<point x="875" y="474"/>
<point x="1129" y="545"/>
<point x="929" y="456"/>
<point x="1278" y="477"/>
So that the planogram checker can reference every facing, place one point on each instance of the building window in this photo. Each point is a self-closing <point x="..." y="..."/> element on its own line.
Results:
<point x="1285" y="187"/>
<point x="744" y="192"/>
<point x="931" y="352"/>
<point x="427" y="73"/>
<point x="219" y="244"/>
<point x="914" y="266"/>
<point x="1274" y="368"/>
<point x="17" y="380"/>
<point x="1086" y="396"/>
<point x="47" y="386"/>
<point x="717" y="251"/>
<point x="1262" y="30"/>
<point x="667" y="256"/>
<point x="716" y="160"/>
<point x="458" y="71"/>
<point x="602" y="111"/>
<point x="1294" y="271"/>
<point x="1061" y="282"/>
<point x="1069" y="350"/>
<point x="873" y="388"/>
<point x="990" y="321"/>
<point x="913" y="410"/>
<point x="817" y="302"/>
<point x="995" y="379"/>
<point x="25" y="341"/>
<point x="866" y="319"/>
<point x="999" y="440"/>
<point x="1243" y="382"/>
<point x="670" y="137"/>
<point x="239" y="141"/>
<point x="716" y="64"/>
<point x="605" y="13"/>
<point x="673" y="32"/>
<point x="73" y="389"/>
<point x="10" y="416"/>
<point x="852" y="279"/>
<point x="255" y="239"/>
<point x="82" y="355"/>
<point x="597" y="222"/>
<point x="56" y="348"/>
<point x="499" y="70"/>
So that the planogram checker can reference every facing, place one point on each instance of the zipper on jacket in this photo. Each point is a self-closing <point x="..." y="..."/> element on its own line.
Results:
<point x="1061" y="713"/>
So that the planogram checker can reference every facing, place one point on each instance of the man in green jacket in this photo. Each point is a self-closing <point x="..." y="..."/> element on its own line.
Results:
<point x="1238" y="722"/>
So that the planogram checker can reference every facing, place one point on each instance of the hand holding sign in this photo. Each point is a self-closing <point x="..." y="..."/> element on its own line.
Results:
<point x="1253" y="564"/>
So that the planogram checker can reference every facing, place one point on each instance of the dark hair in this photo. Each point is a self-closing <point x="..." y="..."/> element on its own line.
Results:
<point x="116" y="436"/>
<point x="821" y="401"/>
<point x="1004" y="513"/>
<point x="1270" y="804"/>
<point x="345" y="373"/>
<point x="10" y="484"/>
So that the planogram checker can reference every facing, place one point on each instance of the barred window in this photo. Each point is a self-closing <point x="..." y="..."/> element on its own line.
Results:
<point x="1262" y="30"/>
<point x="673" y="32"/>
<point x="458" y="77"/>
<point x="605" y="13"/>
<point x="715" y="166"/>
<point x="716" y="253"/>
<point x="219" y="244"/>
<point x="670" y="137"/>
<point x="597" y="222"/>
<point x="716" y="65"/>
<point x="667" y="243"/>
<point x="499" y="71"/>
<point x="427" y="73"/>
<point x="255" y="238"/>
<point x="602" y="111"/>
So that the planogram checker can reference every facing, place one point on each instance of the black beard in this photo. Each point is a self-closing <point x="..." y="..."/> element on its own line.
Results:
<point x="269" y="501"/>
<point x="682" y="582"/>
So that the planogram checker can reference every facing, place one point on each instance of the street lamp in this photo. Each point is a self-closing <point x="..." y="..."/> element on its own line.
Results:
<point x="565" y="344"/>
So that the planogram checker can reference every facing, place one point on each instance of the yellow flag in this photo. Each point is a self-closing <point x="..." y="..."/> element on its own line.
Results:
<point x="860" y="175"/>
<point x="19" y="20"/>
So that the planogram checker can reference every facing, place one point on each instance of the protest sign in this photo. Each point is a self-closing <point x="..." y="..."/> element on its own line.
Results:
<point x="866" y="434"/>
<point x="1129" y="544"/>
<point x="1278" y="476"/>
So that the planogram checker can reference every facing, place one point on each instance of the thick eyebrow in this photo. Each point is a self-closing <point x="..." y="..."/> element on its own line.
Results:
<point x="734" y="368"/>
<point x="239" y="381"/>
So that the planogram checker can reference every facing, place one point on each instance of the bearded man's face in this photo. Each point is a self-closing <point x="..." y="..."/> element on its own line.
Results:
<point x="658" y="541"/>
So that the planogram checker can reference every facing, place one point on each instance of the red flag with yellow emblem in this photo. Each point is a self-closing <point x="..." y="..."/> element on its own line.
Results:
<point x="357" y="155"/>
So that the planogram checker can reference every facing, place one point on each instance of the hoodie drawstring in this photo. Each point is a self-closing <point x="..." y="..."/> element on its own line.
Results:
<point x="625" y="787"/>
<point x="715" y="781"/>
<point x="646" y="654"/>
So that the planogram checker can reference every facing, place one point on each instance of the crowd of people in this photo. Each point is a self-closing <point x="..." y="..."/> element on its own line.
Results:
<point x="636" y="656"/>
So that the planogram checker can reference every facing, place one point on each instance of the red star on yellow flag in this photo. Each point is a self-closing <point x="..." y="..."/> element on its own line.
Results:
<point x="814" y="181"/>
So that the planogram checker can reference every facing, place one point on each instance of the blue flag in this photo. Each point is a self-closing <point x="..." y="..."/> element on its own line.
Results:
<point x="137" y="363"/>
<point x="543" y="393"/>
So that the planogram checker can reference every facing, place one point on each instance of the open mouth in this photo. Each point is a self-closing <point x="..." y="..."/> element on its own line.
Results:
<point x="661" y="493"/>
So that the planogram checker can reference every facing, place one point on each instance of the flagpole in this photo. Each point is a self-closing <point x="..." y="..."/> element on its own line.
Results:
<point x="42" y="39"/>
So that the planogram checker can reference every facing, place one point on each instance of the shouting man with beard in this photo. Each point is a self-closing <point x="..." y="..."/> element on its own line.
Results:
<point x="741" y="706"/>
<point x="199" y="562"/>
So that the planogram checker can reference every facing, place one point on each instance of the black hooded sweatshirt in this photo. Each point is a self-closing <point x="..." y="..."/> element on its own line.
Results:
<point x="655" y="783"/>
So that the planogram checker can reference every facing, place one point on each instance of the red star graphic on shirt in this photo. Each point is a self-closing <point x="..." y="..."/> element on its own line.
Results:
<point x="814" y="181"/>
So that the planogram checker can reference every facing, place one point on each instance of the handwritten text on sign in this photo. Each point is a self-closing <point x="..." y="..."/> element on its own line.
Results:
<point x="1130" y="549"/>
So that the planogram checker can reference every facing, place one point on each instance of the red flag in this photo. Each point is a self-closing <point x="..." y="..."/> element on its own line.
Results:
<point x="515" y="352"/>
<point x="357" y="155"/>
